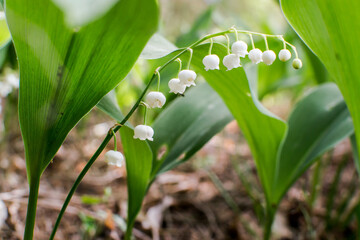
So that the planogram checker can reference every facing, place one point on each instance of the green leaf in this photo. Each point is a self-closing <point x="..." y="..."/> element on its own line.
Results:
<point x="318" y="122"/>
<point x="157" y="47"/>
<point x="5" y="36"/>
<point x="186" y="125"/>
<point x="332" y="33"/>
<point x="65" y="72"/>
<point x="138" y="157"/>
<point x="108" y="104"/>
<point x="262" y="129"/>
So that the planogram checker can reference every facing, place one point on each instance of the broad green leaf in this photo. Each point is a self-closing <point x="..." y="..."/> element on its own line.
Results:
<point x="186" y="125"/>
<point x="262" y="129"/>
<point x="331" y="30"/>
<point x="138" y="157"/>
<point x="318" y="122"/>
<point x="65" y="72"/>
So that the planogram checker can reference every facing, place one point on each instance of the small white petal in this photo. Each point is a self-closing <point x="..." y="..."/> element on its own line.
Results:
<point x="268" y="57"/>
<point x="114" y="158"/>
<point x="231" y="61"/>
<point x="211" y="62"/>
<point x="176" y="86"/>
<point x="143" y="132"/>
<point x="239" y="48"/>
<point x="187" y="77"/>
<point x="155" y="99"/>
<point x="297" y="63"/>
<point x="255" y="55"/>
<point x="284" y="55"/>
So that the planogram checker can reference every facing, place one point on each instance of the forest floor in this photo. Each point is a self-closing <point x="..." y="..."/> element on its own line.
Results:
<point x="205" y="198"/>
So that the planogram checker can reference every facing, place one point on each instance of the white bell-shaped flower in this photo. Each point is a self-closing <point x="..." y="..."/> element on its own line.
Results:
<point x="239" y="48"/>
<point x="155" y="99"/>
<point x="114" y="158"/>
<point x="268" y="57"/>
<point x="211" y="62"/>
<point x="231" y="61"/>
<point x="176" y="86"/>
<point x="284" y="55"/>
<point x="187" y="77"/>
<point x="143" y="132"/>
<point x="255" y="55"/>
<point x="297" y="63"/>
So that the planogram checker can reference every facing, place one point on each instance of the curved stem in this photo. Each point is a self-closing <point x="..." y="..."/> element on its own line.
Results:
<point x="211" y="45"/>
<point x="252" y="41"/>
<point x="266" y="42"/>
<point x="228" y="43"/>
<point x="191" y="54"/>
<point x="31" y="209"/>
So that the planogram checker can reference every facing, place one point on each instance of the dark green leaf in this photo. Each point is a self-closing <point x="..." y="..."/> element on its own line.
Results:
<point x="187" y="124"/>
<point x="318" y="122"/>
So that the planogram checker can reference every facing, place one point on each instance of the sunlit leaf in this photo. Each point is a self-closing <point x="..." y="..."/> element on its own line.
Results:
<point x="81" y="12"/>
<point x="331" y="30"/>
<point x="65" y="72"/>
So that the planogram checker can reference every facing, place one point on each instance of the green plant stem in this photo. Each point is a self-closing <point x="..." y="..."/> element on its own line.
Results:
<point x="269" y="218"/>
<point x="115" y="129"/>
<point x="31" y="209"/>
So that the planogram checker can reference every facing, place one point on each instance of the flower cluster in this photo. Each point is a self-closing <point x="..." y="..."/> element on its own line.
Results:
<point x="186" y="77"/>
<point x="239" y="49"/>
<point x="156" y="99"/>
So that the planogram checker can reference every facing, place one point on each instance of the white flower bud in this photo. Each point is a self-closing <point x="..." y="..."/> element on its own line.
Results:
<point x="231" y="61"/>
<point x="114" y="158"/>
<point x="5" y="89"/>
<point x="211" y="62"/>
<point x="176" y="86"/>
<point x="155" y="99"/>
<point x="239" y="48"/>
<point x="143" y="132"/>
<point x="297" y="63"/>
<point x="187" y="77"/>
<point x="255" y="55"/>
<point x="284" y="55"/>
<point x="268" y="57"/>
